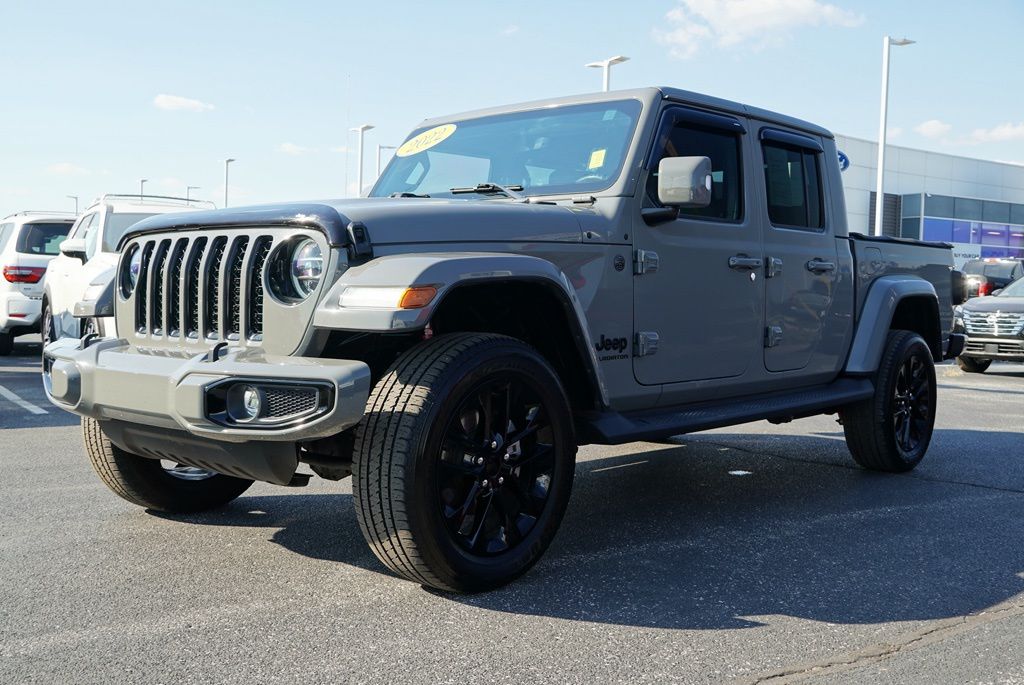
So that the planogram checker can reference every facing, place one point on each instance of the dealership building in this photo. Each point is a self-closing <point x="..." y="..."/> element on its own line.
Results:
<point x="977" y="205"/>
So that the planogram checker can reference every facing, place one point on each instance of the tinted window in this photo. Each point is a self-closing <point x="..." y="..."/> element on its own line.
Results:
<point x="116" y="226"/>
<point x="5" y="233"/>
<point x="792" y="179"/>
<point x="681" y="139"/>
<point x="42" y="238"/>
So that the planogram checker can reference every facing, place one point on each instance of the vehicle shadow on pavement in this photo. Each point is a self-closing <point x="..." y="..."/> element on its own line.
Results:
<point x="672" y="539"/>
<point x="724" y="530"/>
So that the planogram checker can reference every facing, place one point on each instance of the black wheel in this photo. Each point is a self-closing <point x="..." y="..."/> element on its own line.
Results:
<point x="891" y="431"/>
<point x="155" y="484"/>
<point x="6" y="344"/>
<point x="464" y="462"/>
<point x="973" y="365"/>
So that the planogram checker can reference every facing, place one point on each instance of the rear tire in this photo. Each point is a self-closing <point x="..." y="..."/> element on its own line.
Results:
<point x="6" y="344"/>
<point x="973" y="365"/>
<point x="464" y="462"/>
<point x="147" y="483"/>
<point x="891" y="431"/>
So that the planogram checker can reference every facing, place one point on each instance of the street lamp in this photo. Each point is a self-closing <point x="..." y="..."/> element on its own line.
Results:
<point x="606" y="64"/>
<point x="75" y="198"/>
<point x="361" y="130"/>
<point x="879" y="192"/>
<point x="226" y="163"/>
<point x="142" y="185"/>
<point x="188" y="191"/>
<point x="381" y="148"/>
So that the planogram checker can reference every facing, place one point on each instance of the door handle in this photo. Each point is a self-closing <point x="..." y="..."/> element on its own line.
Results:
<point x="820" y="266"/>
<point x="742" y="261"/>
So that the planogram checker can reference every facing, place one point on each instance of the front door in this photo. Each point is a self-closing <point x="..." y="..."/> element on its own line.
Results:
<point x="704" y="300"/>
<point x="802" y="264"/>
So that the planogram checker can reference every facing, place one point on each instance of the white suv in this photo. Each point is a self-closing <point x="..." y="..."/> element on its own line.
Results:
<point x="28" y="242"/>
<point x="89" y="256"/>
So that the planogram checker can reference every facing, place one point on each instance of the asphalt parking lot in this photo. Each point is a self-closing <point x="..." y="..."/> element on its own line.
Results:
<point x="751" y="554"/>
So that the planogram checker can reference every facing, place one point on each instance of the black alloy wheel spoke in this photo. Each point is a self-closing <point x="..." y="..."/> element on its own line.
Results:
<point x="496" y="462"/>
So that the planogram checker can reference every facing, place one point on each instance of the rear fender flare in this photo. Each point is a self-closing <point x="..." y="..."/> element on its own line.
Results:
<point x="875" y="320"/>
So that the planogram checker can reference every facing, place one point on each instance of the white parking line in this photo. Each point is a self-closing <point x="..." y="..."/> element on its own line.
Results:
<point x="24" y="404"/>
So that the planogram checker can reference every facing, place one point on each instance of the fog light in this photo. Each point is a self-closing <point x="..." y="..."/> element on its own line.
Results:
<point x="244" y="403"/>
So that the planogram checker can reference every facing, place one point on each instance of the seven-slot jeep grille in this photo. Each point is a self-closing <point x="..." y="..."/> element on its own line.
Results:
<point x="200" y="288"/>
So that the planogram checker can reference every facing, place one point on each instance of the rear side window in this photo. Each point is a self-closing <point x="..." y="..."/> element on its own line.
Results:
<point x="5" y="233"/>
<point x="792" y="178"/>
<point x="42" y="238"/>
<point x="722" y="147"/>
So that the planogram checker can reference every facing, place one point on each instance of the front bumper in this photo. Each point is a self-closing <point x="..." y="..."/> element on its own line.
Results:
<point x="109" y="380"/>
<point x="1011" y="349"/>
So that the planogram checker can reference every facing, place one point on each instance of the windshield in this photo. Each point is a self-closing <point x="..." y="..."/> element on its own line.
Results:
<point x="1015" y="289"/>
<point x="117" y="224"/>
<point x="993" y="269"/>
<point x="44" y="239"/>
<point x="562" y="150"/>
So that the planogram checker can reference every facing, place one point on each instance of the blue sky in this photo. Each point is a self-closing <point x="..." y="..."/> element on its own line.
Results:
<point x="276" y="85"/>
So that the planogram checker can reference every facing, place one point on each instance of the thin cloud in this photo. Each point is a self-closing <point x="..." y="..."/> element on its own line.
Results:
<point x="998" y="134"/>
<point x="67" y="169"/>
<point x="732" y="23"/>
<point x="340" y="148"/>
<point x="173" y="103"/>
<point x="933" y="128"/>
<point x="510" y="29"/>
<point x="292" y="149"/>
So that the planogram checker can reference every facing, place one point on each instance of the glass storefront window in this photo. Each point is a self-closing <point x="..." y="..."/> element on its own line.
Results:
<point x="995" y="234"/>
<point x="939" y="230"/>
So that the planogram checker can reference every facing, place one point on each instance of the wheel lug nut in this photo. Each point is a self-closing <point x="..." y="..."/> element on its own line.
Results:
<point x="494" y="444"/>
<point x="484" y="483"/>
<point x="500" y="480"/>
<point x="505" y="458"/>
<point x="479" y="460"/>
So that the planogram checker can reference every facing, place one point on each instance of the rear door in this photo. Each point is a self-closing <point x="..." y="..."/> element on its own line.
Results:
<point x="704" y="300"/>
<point x="802" y="265"/>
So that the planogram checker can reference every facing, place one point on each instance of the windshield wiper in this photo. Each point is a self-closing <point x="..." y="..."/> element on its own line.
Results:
<point x="489" y="188"/>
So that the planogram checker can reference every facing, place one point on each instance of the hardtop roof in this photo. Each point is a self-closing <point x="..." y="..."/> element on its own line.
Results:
<point x="649" y="95"/>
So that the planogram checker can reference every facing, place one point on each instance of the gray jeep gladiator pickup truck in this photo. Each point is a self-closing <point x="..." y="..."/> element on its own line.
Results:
<point x="522" y="280"/>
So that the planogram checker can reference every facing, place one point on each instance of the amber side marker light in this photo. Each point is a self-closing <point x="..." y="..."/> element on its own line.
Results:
<point x="414" y="298"/>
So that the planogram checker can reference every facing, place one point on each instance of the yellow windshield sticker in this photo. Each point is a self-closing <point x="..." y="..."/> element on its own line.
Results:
<point x="596" y="159"/>
<point x="425" y="140"/>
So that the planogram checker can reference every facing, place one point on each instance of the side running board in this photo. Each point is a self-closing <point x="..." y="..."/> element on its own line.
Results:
<point x="613" y="428"/>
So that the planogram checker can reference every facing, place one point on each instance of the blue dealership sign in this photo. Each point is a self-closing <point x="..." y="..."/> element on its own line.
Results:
<point x="844" y="161"/>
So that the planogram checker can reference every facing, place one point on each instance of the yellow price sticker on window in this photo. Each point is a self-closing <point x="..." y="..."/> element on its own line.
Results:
<point x="425" y="140"/>
<point x="596" y="159"/>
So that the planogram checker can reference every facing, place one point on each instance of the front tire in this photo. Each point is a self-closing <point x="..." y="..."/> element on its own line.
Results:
<point x="891" y="430"/>
<point x="6" y="344"/>
<point x="973" y="365"/>
<point x="172" y="489"/>
<point x="464" y="462"/>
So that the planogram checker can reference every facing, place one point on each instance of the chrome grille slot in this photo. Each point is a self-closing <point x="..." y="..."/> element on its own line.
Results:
<point x="142" y="297"/>
<point x="993" y="323"/>
<point x="233" y="287"/>
<point x="254" y="304"/>
<point x="211" y="293"/>
<point x="193" y="304"/>
<point x="173" y="287"/>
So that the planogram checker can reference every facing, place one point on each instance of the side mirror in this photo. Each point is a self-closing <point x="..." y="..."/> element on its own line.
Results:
<point x="684" y="181"/>
<point x="74" y="248"/>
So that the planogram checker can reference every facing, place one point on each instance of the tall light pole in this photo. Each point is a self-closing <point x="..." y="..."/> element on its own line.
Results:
<point x="142" y="186"/>
<point x="361" y="130"/>
<point x="226" y="163"/>
<point x="188" y="193"/>
<point x="879" y="187"/>
<point x="381" y="148"/>
<point x="606" y="64"/>
<point x="75" y="198"/>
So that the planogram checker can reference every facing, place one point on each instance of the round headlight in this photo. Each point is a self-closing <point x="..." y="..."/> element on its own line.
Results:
<point x="130" y="275"/>
<point x="307" y="266"/>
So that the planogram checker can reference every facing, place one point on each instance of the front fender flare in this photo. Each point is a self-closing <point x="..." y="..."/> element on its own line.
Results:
<point x="884" y="296"/>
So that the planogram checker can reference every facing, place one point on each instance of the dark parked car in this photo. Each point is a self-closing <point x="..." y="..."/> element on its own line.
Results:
<point x="994" y="326"/>
<point x="985" y="276"/>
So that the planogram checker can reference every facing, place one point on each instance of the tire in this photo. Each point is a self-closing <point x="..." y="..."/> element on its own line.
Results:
<point x="423" y="469"/>
<point x="148" y="483"/>
<point x="891" y="430"/>
<point x="973" y="365"/>
<point x="6" y="344"/>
